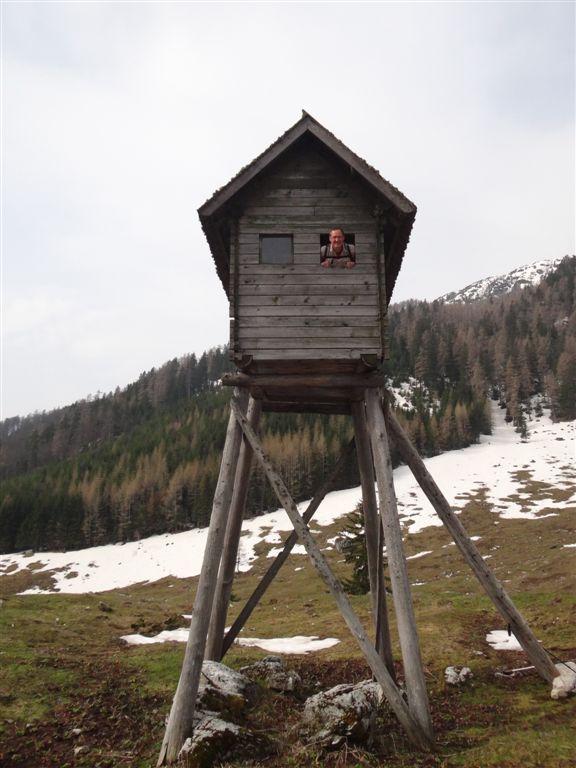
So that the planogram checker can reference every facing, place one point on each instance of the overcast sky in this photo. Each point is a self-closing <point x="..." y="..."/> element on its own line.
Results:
<point x="119" y="119"/>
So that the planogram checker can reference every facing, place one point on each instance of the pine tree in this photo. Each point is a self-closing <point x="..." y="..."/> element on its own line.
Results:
<point x="354" y="550"/>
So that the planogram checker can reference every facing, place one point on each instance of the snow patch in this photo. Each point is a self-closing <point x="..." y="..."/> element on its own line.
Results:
<point x="297" y="549"/>
<point x="289" y="645"/>
<point x="500" y="640"/>
<point x="166" y="636"/>
<point x="419" y="554"/>
<point x="286" y="645"/>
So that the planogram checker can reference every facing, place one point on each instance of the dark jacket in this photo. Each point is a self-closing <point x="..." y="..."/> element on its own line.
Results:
<point x="348" y="253"/>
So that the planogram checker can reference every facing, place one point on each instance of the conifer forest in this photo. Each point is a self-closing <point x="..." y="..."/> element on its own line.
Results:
<point x="144" y="459"/>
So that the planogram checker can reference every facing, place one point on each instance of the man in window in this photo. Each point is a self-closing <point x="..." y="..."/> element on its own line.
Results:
<point x="338" y="253"/>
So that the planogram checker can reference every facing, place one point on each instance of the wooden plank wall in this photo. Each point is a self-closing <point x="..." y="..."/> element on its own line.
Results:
<point x="302" y="311"/>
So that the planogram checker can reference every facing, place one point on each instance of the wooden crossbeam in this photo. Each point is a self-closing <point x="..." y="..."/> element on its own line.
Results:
<point x="289" y="380"/>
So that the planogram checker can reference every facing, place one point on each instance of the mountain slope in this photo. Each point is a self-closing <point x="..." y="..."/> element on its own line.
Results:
<point x="145" y="460"/>
<point x="502" y="465"/>
<point x="492" y="287"/>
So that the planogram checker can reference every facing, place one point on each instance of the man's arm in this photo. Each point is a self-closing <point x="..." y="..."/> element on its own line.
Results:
<point x="351" y="261"/>
<point x="324" y="261"/>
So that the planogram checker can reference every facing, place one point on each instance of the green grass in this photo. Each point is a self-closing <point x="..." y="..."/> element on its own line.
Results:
<point x="63" y="665"/>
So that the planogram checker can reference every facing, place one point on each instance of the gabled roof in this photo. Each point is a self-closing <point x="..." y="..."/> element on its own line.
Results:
<point x="214" y="210"/>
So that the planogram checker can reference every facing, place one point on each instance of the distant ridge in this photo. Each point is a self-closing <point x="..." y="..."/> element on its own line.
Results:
<point x="492" y="287"/>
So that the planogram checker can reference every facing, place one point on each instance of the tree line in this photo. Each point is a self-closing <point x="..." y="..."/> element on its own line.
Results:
<point x="514" y="347"/>
<point x="145" y="459"/>
<point x="36" y="440"/>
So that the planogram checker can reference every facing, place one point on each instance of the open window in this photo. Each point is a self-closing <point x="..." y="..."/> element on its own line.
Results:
<point x="348" y="254"/>
<point x="276" y="249"/>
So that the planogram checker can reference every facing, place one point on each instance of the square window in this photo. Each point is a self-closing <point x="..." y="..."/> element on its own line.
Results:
<point x="276" y="249"/>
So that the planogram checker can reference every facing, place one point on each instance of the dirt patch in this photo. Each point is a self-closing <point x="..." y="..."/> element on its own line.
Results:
<point x="25" y="579"/>
<point x="110" y="722"/>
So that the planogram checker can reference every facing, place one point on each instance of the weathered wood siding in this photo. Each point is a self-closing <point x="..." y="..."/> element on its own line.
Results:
<point x="302" y="311"/>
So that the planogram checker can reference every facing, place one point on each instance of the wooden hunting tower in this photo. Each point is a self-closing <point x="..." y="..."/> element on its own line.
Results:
<point x="306" y="338"/>
<point x="265" y="229"/>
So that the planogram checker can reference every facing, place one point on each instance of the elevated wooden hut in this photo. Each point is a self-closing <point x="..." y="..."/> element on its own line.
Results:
<point x="265" y="229"/>
<point x="309" y="338"/>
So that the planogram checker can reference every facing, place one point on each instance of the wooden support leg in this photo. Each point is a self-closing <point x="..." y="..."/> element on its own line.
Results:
<point x="232" y="540"/>
<point x="419" y="736"/>
<point x="408" y="636"/>
<point x="373" y="528"/>
<point x="282" y="556"/>
<point x="495" y="591"/>
<point x="181" y="719"/>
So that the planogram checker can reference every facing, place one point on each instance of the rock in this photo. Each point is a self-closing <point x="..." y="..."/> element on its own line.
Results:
<point x="457" y="675"/>
<point x="271" y="673"/>
<point x="213" y="739"/>
<point x="344" y="712"/>
<point x="223" y="697"/>
<point x="284" y="680"/>
<point x="216" y="740"/>
<point x="80" y="751"/>
<point x="565" y="683"/>
<point x="225" y="691"/>
<point x="220" y="676"/>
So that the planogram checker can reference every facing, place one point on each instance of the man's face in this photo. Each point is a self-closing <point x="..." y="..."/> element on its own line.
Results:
<point x="336" y="240"/>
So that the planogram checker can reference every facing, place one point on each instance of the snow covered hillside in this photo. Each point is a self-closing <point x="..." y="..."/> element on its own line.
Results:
<point x="548" y="456"/>
<point x="491" y="287"/>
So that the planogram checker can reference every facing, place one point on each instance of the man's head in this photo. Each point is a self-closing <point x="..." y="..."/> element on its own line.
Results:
<point x="336" y="238"/>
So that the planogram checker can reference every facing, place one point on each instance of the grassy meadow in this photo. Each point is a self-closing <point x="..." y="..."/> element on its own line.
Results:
<point x="73" y="694"/>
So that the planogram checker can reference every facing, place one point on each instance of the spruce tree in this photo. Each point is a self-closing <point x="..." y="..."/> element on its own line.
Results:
<point x="354" y="550"/>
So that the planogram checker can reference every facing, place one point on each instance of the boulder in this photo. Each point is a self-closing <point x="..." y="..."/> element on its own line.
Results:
<point x="565" y="683"/>
<point x="223" y="697"/>
<point x="345" y="712"/>
<point x="271" y="673"/>
<point x="215" y="740"/>
<point x="225" y="691"/>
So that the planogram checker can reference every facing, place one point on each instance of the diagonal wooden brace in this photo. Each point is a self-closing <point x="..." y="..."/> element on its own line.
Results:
<point x="415" y="732"/>
<point x="494" y="589"/>
<point x="283" y="555"/>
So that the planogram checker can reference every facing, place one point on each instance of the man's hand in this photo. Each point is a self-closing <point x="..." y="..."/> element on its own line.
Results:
<point x="326" y="263"/>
